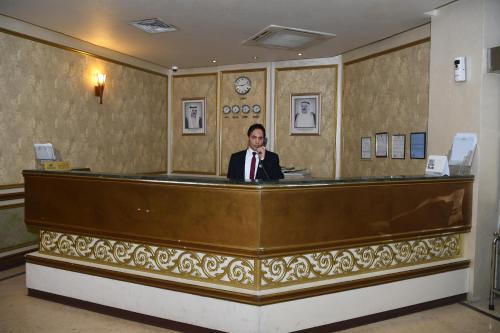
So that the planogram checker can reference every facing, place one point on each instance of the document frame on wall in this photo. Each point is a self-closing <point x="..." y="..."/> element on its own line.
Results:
<point x="305" y="114"/>
<point x="418" y="145"/>
<point x="366" y="148"/>
<point x="381" y="144"/>
<point x="193" y="116"/>
<point x="398" y="143"/>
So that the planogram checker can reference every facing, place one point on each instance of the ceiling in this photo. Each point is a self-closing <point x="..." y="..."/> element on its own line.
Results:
<point x="214" y="29"/>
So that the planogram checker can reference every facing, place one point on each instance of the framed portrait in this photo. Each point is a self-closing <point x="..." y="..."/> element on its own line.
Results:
<point x="305" y="114"/>
<point x="193" y="116"/>
<point x="418" y="145"/>
<point x="381" y="144"/>
<point x="398" y="146"/>
<point x="366" y="148"/>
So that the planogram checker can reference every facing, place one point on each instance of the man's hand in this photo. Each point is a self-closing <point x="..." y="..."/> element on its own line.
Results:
<point x="262" y="152"/>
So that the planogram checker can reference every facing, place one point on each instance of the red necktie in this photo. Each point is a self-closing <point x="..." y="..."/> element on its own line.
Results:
<point x="252" y="166"/>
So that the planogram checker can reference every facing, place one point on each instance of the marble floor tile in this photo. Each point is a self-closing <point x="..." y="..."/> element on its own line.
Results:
<point x="21" y="313"/>
<point x="454" y="318"/>
<point x="483" y="305"/>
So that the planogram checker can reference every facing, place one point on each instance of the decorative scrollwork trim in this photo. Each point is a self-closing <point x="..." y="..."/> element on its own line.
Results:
<point x="252" y="273"/>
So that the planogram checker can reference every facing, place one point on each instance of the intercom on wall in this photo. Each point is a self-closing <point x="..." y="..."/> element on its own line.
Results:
<point x="459" y="69"/>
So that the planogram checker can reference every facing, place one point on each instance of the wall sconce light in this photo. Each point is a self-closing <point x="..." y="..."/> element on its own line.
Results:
<point x="99" y="89"/>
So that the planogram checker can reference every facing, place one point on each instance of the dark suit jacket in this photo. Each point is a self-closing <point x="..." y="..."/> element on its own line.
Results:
<point x="270" y="165"/>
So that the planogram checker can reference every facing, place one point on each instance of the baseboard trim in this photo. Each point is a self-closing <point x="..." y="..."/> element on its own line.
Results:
<point x="14" y="260"/>
<point x="183" y="327"/>
<point x="119" y="313"/>
<point x="376" y="317"/>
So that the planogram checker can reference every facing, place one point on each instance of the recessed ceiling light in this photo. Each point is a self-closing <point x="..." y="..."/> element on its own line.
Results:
<point x="255" y="58"/>
<point x="299" y="54"/>
<point x="214" y="61"/>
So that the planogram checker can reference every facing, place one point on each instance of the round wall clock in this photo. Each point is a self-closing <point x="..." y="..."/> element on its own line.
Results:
<point x="256" y="108"/>
<point x="226" y="109"/>
<point x="242" y="85"/>
<point x="245" y="109"/>
<point x="235" y="108"/>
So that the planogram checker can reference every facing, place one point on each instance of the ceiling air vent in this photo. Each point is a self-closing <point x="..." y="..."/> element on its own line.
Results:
<point x="285" y="38"/>
<point x="154" y="26"/>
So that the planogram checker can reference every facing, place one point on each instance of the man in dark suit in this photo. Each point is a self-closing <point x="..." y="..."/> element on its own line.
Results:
<point x="255" y="162"/>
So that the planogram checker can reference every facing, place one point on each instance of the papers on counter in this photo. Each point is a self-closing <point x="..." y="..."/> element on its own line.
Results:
<point x="437" y="165"/>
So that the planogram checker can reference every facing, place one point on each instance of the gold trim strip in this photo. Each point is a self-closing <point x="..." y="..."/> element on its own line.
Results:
<point x="11" y="196"/>
<point x="194" y="173"/>
<point x="282" y="69"/>
<point x="11" y="186"/>
<point x="243" y="70"/>
<point x="18" y="246"/>
<point x="18" y="205"/>
<point x="180" y="76"/>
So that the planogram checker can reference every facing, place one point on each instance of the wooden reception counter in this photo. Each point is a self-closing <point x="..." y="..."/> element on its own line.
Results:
<point x="247" y="246"/>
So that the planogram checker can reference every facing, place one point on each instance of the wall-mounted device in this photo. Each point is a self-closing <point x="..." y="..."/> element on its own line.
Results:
<point x="494" y="60"/>
<point x="459" y="64"/>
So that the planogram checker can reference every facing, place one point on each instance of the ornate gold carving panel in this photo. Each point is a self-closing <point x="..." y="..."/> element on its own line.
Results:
<point x="280" y="271"/>
<point x="182" y="263"/>
<point x="251" y="273"/>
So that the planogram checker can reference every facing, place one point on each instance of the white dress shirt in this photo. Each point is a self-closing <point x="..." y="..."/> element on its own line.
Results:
<point x="248" y="162"/>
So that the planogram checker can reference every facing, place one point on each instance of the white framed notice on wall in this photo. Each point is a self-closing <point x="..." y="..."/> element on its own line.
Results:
<point x="381" y="144"/>
<point x="398" y="146"/>
<point x="366" y="148"/>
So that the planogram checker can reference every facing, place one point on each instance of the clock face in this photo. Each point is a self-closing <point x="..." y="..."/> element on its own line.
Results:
<point x="235" y="108"/>
<point x="242" y="85"/>
<point x="245" y="108"/>
<point x="226" y="109"/>
<point x="256" y="108"/>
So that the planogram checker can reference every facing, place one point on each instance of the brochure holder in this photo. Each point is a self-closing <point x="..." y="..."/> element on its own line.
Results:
<point x="462" y="153"/>
<point x="44" y="152"/>
<point x="46" y="158"/>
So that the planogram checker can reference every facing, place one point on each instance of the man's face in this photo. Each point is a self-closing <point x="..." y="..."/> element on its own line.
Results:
<point x="256" y="139"/>
<point x="304" y="107"/>
<point x="194" y="111"/>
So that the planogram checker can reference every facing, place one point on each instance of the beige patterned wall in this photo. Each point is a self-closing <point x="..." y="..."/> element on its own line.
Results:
<point x="14" y="232"/>
<point x="234" y="126"/>
<point x="388" y="92"/>
<point x="194" y="153"/>
<point x="314" y="152"/>
<point x="50" y="98"/>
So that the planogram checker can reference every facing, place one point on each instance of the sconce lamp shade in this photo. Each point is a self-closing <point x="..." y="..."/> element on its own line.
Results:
<point x="99" y="89"/>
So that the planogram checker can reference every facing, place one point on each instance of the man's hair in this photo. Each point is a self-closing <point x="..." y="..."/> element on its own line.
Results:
<point x="254" y="127"/>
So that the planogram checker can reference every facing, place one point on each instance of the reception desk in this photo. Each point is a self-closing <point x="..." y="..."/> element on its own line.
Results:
<point x="244" y="256"/>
